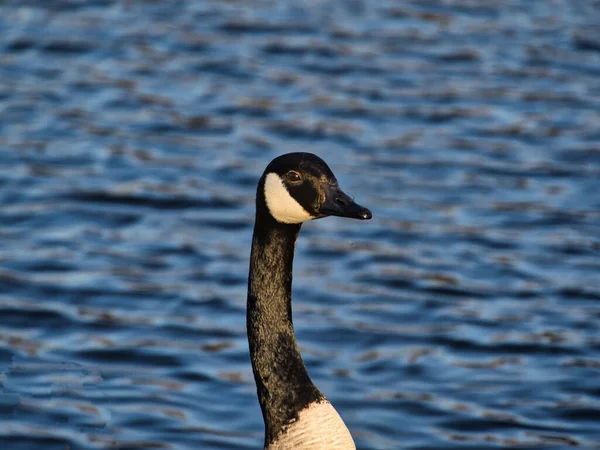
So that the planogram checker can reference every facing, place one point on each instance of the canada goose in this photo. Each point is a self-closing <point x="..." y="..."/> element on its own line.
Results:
<point x="294" y="188"/>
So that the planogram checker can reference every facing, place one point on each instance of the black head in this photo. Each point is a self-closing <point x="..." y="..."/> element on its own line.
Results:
<point x="298" y="187"/>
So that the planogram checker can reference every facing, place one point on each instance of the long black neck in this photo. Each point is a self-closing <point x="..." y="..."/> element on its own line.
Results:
<point x="283" y="385"/>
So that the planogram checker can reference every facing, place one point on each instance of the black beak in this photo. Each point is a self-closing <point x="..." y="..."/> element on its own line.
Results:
<point x="338" y="203"/>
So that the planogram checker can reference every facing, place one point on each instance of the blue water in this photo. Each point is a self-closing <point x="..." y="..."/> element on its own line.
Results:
<point x="465" y="315"/>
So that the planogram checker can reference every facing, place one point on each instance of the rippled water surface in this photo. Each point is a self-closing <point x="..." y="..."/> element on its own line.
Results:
<point x="466" y="314"/>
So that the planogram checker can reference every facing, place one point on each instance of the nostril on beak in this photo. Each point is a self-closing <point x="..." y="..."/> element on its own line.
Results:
<point x="340" y="201"/>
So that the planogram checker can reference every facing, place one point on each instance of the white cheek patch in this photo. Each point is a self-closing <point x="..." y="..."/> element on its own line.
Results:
<point x="282" y="206"/>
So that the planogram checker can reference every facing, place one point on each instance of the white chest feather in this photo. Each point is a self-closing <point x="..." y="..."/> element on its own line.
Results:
<point x="319" y="427"/>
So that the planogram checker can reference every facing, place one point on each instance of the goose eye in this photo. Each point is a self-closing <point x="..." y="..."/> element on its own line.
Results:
<point x="293" y="176"/>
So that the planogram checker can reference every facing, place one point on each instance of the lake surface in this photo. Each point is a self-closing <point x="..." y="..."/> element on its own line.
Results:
<point x="465" y="315"/>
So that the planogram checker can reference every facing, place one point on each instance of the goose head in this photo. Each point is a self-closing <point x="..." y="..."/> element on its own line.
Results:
<point x="298" y="187"/>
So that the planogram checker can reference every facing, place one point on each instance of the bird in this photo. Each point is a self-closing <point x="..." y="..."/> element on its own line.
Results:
<point x="294" y="188"/>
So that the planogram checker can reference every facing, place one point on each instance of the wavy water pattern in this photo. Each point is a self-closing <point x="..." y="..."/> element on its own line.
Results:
<point x="465" y="315"/>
